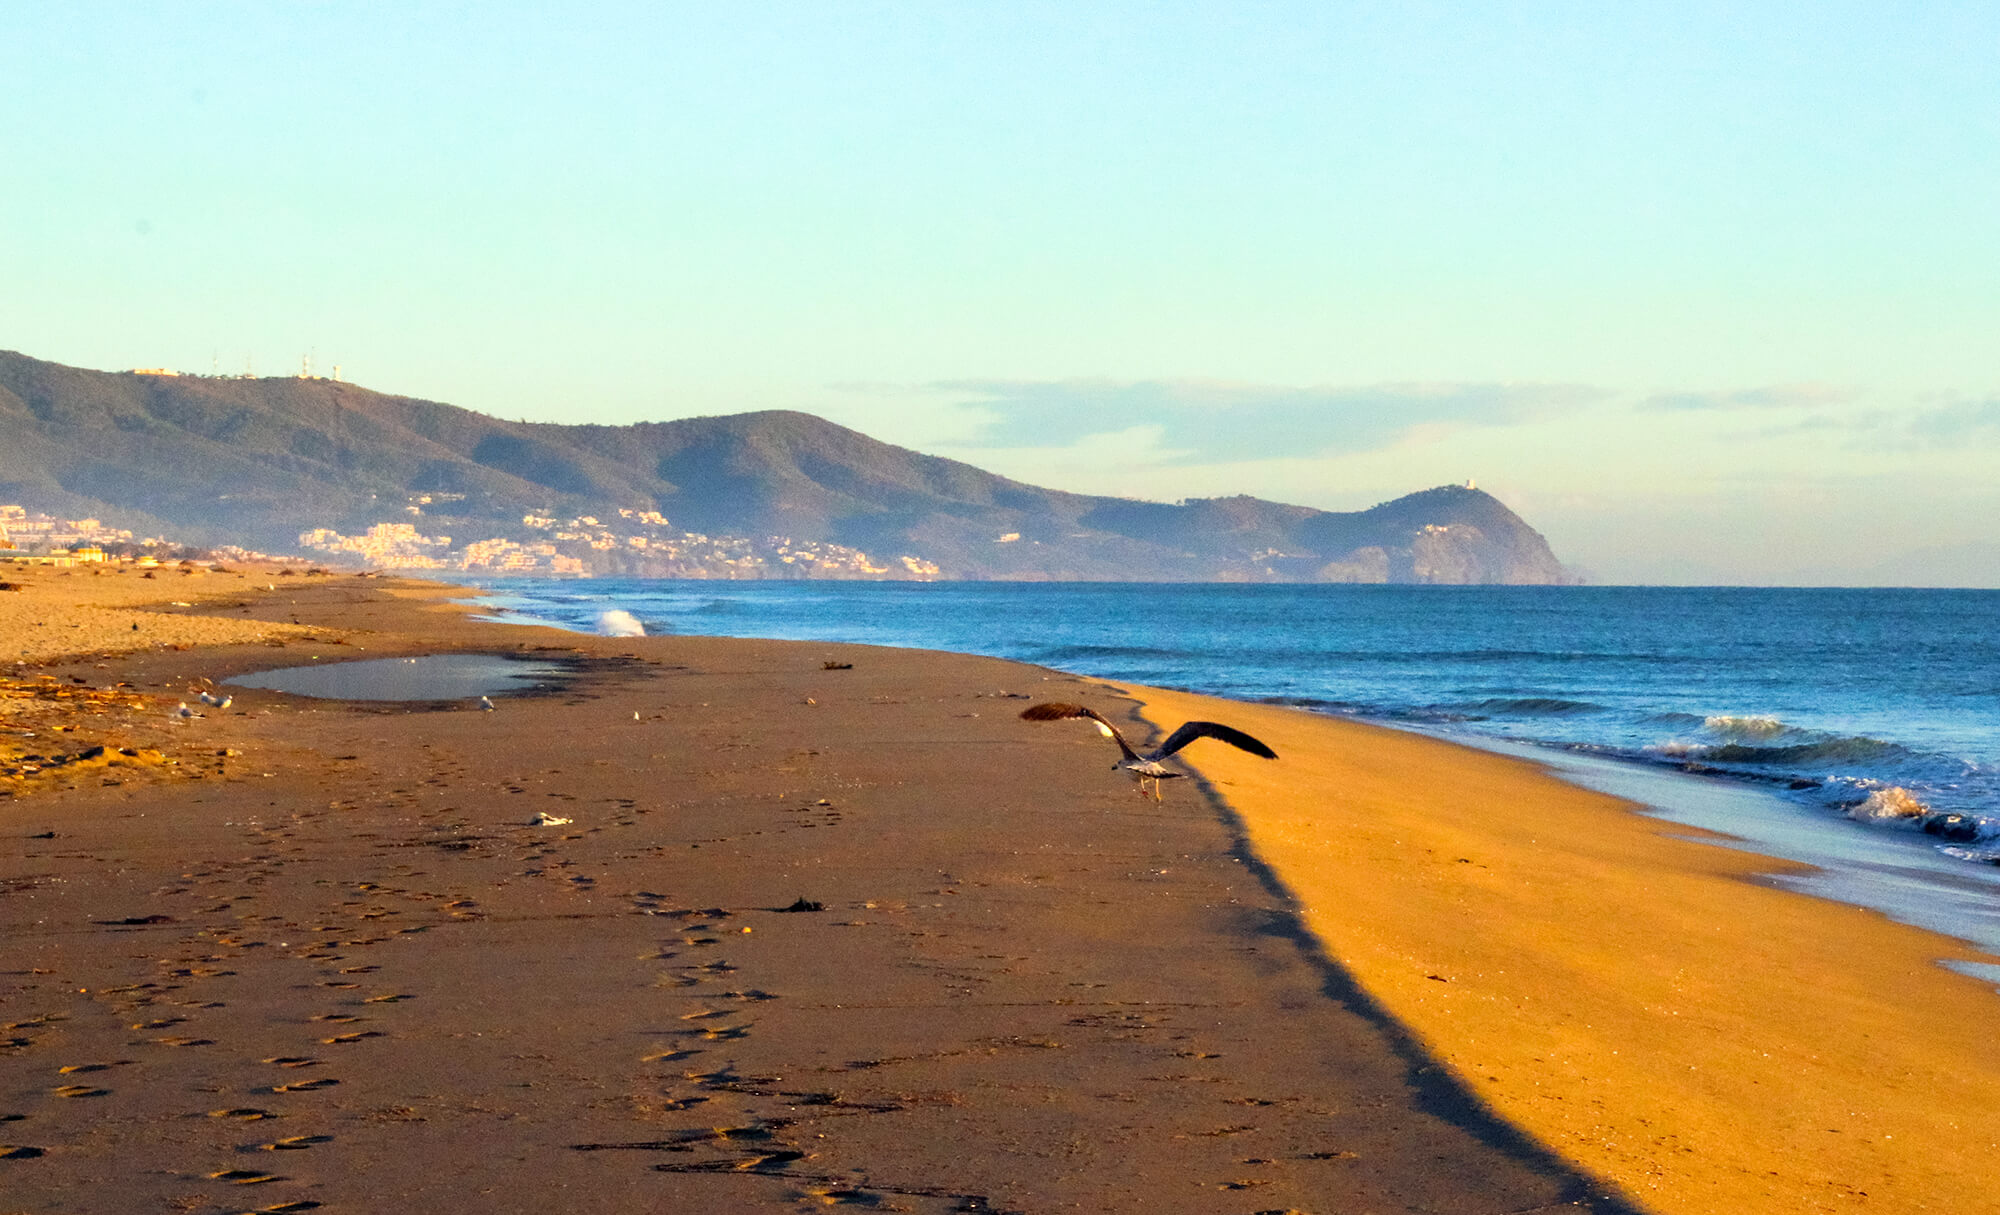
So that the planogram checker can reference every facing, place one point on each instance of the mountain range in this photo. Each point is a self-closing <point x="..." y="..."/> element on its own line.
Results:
<point x="258" y="461"/>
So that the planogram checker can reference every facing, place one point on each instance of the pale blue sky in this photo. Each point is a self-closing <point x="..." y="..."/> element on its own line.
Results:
<point x="1708" y="292"/>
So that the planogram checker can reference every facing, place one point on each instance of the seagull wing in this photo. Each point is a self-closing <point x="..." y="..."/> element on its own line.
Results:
<point x="1058" y="711"/>
<point x="1209" y="729"/>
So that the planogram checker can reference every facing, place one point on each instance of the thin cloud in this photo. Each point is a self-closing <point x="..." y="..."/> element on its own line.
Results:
<point x="1963" y="424"/>
<point x="1209" y="421"/>
<point x="1773" y="396"/>
<point x="1873" y="425"/>
<point x="1974" y="423"/>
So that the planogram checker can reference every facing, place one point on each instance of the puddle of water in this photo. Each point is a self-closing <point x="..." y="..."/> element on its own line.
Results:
<point x="430" y="677"/>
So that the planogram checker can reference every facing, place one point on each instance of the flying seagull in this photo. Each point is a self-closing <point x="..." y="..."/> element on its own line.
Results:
<point x="1148" y="767"/>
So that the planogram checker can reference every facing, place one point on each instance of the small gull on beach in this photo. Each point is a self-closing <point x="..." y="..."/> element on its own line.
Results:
<point x="1148" y="767"/>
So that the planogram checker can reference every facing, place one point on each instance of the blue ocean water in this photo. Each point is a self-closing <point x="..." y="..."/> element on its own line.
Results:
<point x="1871" y="716"/>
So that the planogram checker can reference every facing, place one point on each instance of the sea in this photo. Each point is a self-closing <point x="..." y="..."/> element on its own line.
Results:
<point x="1855" y="730"/>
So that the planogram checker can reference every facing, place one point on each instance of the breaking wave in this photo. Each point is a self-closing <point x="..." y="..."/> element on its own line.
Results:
<point x="1745" y="727"/>
<point x="1820" y="754"/>
<point x="1893" y="805"/>
<point x="619" y="623"/>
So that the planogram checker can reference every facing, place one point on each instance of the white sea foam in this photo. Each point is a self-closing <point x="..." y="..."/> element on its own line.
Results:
<point x="1745" y="727"/>
<point x="1892" y="804"/>
<point x="1675" y="748"/>
<point x="618" y="623"/>
<point x="1982" y="856"/>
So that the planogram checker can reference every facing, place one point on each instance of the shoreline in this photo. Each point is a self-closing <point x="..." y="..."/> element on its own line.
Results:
<point x="1088" y="1006"/>
<point x="1870" y="820"/>
<point x="1947" y="898"/>
<point x="1646" y="1001"/>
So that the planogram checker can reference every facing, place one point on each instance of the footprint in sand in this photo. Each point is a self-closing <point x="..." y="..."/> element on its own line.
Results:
<point x="80" y="1090"/>
<point x="77" y="1069"/>
<point x="725" y="1033"/>
<point x="243" y="1113"/>
<point x="346" y="1039"/>
<point x="293" y="1061"/>
<point x="296" y="1143"/>
<point x="756" y="1162"/>
<point x="305" y="1086"/>
<point x="244" y="1177"/>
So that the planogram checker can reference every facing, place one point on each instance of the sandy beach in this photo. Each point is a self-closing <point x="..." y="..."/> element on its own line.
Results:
<point x="1632" y="998"/>
<point x="708" y="926"/>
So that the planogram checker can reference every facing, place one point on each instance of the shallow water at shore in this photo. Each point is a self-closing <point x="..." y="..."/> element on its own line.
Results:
<point x="1914" y="885"/>
<point x="427" y="677"/>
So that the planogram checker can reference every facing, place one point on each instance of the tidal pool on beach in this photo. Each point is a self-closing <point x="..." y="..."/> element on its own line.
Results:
<point x="428" y="677"/>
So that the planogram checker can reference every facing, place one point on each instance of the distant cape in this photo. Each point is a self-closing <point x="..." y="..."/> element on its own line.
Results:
<point x="260" y="461"/>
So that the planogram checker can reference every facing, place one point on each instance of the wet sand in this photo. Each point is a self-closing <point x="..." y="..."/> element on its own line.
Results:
<point x="1634" y="999"/>
<point x="325" y="958"/>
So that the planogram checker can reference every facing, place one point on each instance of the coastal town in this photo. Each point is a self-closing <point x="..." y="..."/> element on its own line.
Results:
<point x="32" y="538"/>
<point x="634" y="542"/>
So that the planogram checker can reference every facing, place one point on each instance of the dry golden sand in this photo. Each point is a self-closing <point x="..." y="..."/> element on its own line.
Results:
<point x="1635" y="1000"/>
<point x="115" y="609"/>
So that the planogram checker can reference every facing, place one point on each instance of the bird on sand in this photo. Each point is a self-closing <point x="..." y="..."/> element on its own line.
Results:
<point x="485" y="704"/>
<point x="1148" y="767"/>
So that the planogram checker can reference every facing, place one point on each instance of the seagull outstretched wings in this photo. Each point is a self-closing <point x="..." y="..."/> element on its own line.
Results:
<point x="1147" y="767"/>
